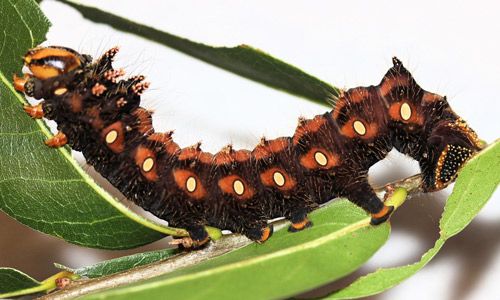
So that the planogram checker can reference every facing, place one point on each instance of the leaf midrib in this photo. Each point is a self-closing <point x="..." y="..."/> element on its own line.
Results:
<point x="24" y="22"/>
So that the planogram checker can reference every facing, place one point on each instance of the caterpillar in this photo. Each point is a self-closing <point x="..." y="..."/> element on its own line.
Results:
<point x="99" y="113"/>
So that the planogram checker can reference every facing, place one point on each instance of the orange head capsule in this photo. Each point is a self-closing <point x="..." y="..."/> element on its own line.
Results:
<point x="46" y="62"/>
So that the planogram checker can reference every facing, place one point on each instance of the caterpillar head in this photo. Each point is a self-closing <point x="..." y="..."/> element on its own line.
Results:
<point x="454" y="143"/>
<point x="426" y="128"/>
<point x="48" y="62"/>
<point x="51" y="68"/>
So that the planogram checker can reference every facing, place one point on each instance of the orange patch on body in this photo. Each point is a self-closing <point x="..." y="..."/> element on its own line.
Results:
<point x="195" y="153"/>
<point x="269" y="177"/>
<point x="117" y="145"/>
<point x="357" y="95"/>
<point x="43" y="70"/>
<point x="206" y="157"/>
<point x="371" y="129"/>
<point x="166" y="140"/>
<point x="430" y="97"/>
<point x="76" y="103"/>
<point x="391" y="82"/>
<point x="145" y="159"/>
<point x="261" y="151"/>
<point x="341" y="103"/>
<point x="227" y="157"/>
<point x="145" y="122"/>
<point x="227" y="185"/>
<point x="222" y="158"/>
<point x="45" y="52"/>
<point x="395" y="113"/>
<point x="242" y="155"/>
<point x="310" y="159"/>
<point x="309" y="126"/>
<point x="95" y="119"/>
<point x="191" y="152"/>
<point x="278" y="144"/>
<point x="182" y="178"/>
<point x="268" y="148"/>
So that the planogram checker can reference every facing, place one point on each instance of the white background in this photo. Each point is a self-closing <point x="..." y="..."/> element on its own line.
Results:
<point x="451" y="47"/>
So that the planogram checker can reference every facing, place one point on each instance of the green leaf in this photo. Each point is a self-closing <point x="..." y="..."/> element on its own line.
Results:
<point x="44" y="188"/>
<point x="16" y="283"/>
<point x="121" y="264"/>
<point x="340" y="241"/>
<point x="475" y="185"/>
<point x="242" y="60"/>
<point x="12" y="280"/>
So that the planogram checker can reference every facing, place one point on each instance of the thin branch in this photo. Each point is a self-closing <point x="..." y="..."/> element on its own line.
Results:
<point x="224" y="245"/>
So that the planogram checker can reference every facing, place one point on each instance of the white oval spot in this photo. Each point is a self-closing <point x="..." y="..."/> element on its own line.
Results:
<point x="359" y="127"/>
<point x="321" y="158"/>
<point x="111" y="136"/>
<point x="191" y="184"/>
<point x="238" y="187"/>
<point x="60" y="91"/>
<point x="279" y="179"/>
<point x="405" y="111"/>
<point x="148" y="164"/>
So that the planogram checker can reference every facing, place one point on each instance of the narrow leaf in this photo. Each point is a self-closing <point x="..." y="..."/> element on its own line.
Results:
<point x="121" y="264"/>
<point x="12" y="280"/>
<point x="340" y="241"/>
<point x="44" y="188"/>
<point x="242" y="60"/>
<point x="16" y="283"/>
<point x="475" y="185"/>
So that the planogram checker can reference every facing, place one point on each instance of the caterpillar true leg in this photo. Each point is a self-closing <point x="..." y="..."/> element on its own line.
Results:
<point x="35" y="111"/>
<point x="58" y="140"/>
<point x="19" y="82"/>
<point x="362" y="194"/>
